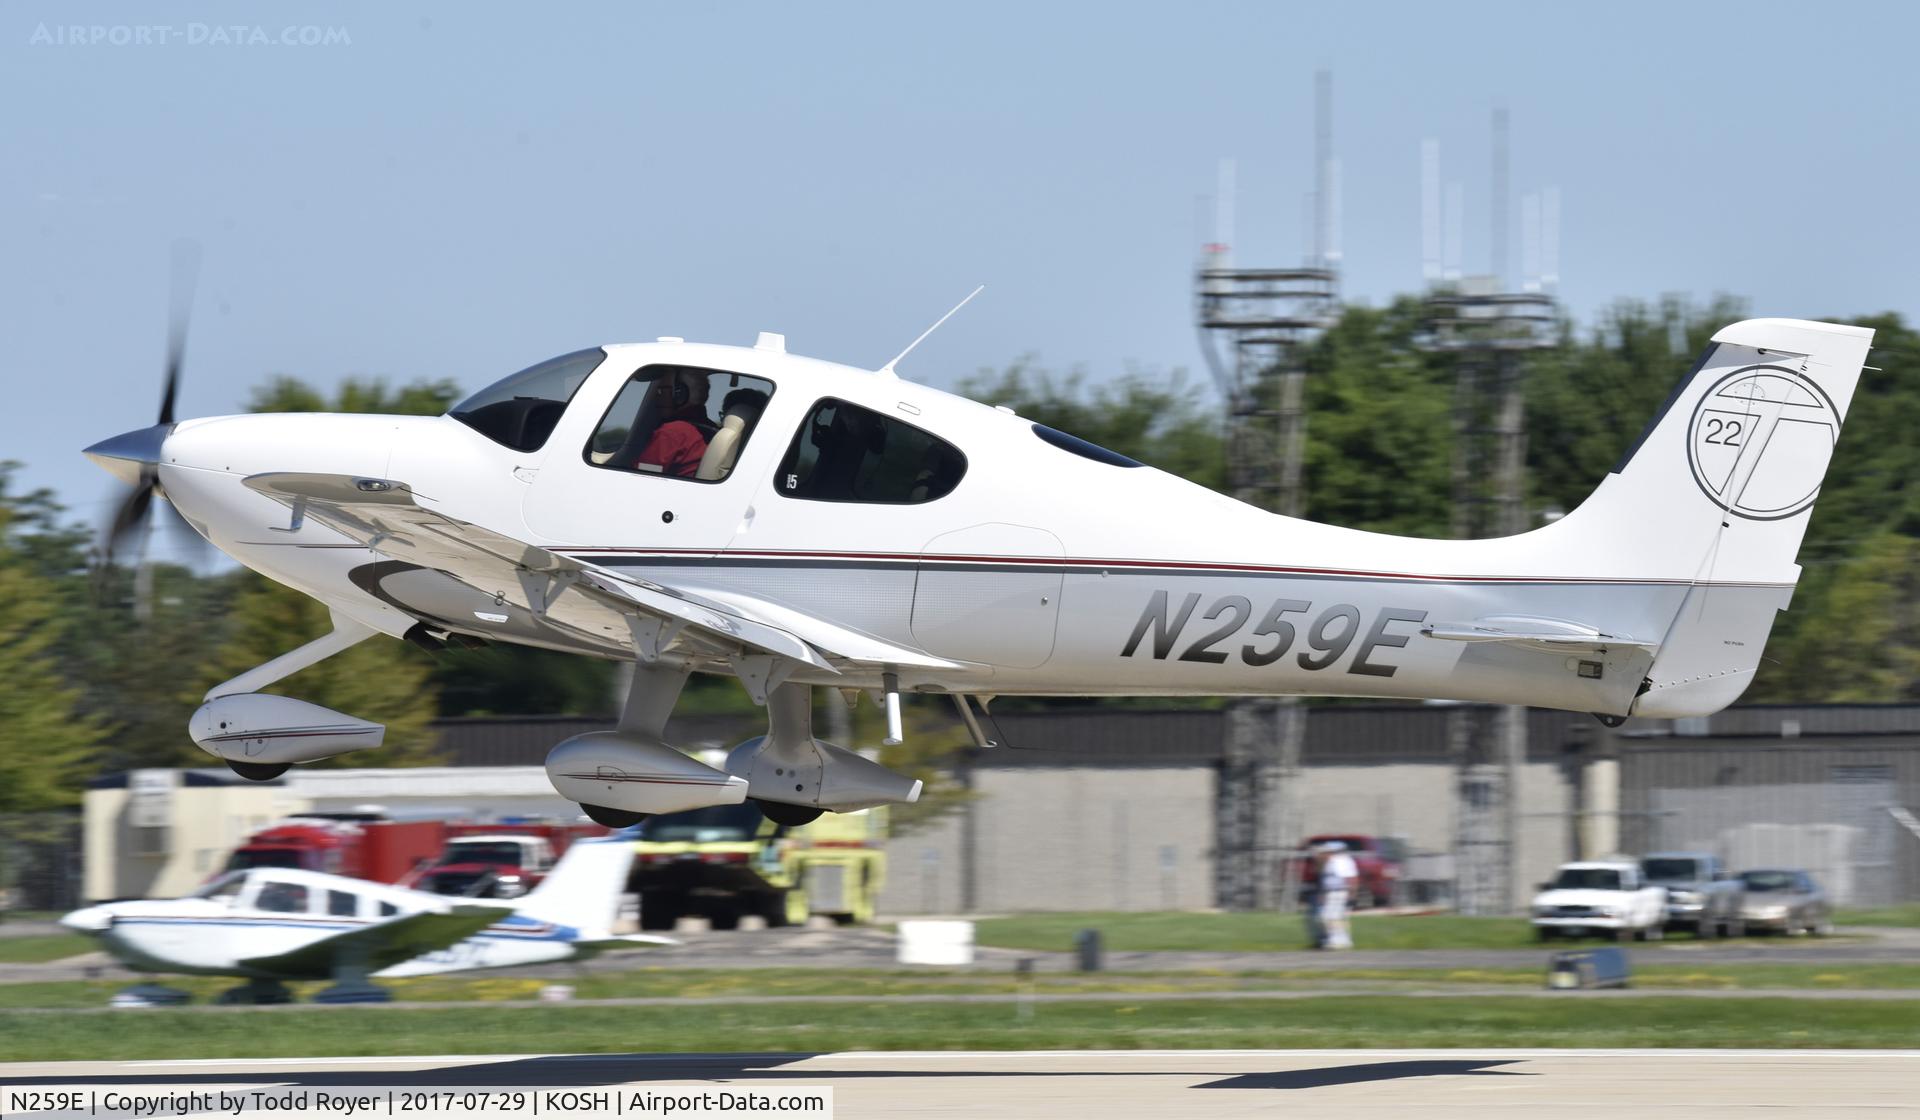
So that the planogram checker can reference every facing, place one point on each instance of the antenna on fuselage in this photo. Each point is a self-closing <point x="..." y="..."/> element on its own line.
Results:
<point x="887" y="370"/>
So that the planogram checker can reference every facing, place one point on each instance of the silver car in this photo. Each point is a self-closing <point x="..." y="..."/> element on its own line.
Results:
<point x="1786" y="901"/>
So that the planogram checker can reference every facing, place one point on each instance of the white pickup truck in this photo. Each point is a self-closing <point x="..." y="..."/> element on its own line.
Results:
<point x="1606" y="897"/>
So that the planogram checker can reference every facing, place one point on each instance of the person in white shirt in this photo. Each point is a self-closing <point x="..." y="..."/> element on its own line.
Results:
<point x="1335" y="873"/>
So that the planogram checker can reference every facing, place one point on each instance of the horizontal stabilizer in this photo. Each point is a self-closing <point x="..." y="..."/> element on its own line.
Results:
<point x="623" y="941"/>
<point x="1541" y="631"/>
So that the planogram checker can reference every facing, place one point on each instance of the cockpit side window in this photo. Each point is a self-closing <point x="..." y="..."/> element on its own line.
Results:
<point x="520" y="411"/>
<point x="680" y="422"/>
<point x="846" y="453"/>
<point x="286" y="898"/>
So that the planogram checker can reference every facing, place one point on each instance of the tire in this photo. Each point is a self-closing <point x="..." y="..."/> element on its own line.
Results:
<point x="661" y="910"/>
<point x="1654" y="932"/>
<point x="793" y="816"/>
<point x="257" y="771"/>
<point x="612" y="818"/>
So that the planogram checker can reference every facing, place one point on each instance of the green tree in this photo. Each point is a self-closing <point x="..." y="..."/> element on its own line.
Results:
<point x="1379" y="426"/>
<point x="1589" y="399"/>
<point x="373" y="395"/>
<point x="1861" y="640"/>
<point x="49" y="740"/>
<point x="381" y="679"/>
<point x="1162" y="422"/>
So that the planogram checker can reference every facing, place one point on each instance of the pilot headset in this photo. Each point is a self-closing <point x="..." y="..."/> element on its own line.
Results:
<point x="677" y="385"/>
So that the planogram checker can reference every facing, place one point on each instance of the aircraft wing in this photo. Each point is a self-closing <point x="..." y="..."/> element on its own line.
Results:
<point x="598" y="603"/>
<point x="383" y="944"/>
<point x="1542" y="631"/>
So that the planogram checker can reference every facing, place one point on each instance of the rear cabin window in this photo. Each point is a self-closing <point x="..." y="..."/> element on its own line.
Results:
<point x="680" y="422"/>
<point x="845" y="453"/>
<point x="342" y="904"/>
<point x="520" y="411"/>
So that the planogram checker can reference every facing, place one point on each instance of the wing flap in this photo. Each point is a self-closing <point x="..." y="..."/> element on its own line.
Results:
<point x="381" y="945"/>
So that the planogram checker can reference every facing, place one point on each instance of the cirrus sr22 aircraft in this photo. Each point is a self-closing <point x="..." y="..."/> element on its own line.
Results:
<point x="797" y="524"/>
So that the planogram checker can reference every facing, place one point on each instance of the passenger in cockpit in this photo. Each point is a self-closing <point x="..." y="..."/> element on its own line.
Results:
<point x="677" y="444"/>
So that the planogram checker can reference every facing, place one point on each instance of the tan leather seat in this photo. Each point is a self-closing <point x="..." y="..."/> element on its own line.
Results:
<point x="722" y="449"/>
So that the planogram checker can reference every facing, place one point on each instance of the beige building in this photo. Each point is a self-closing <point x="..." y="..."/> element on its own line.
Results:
<point x="161" y="833"/>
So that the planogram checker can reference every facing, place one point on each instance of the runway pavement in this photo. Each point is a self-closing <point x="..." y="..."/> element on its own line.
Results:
<point x="1120" y="1085"/>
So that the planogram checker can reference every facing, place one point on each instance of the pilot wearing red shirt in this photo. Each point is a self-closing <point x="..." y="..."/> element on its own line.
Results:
<point x="680" y="441"/>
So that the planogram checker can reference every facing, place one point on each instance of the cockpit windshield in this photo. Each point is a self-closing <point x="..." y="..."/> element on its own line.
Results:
<point x="225" y="887"/>
<point x="521" y="410"/>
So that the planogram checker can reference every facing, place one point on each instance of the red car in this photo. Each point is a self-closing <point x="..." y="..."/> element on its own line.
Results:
<point x="1380" y="860"/>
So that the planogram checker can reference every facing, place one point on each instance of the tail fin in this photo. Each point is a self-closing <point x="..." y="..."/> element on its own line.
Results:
<point x="584" y="889"/>
<point x="1718" y="492"/>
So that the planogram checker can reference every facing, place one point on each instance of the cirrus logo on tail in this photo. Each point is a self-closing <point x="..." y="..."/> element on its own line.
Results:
<point x="1760" y="440"/>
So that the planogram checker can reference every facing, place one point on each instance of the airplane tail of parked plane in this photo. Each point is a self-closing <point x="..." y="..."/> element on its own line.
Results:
<point x="585" y="887"/>
<point x="1716" y="494"/>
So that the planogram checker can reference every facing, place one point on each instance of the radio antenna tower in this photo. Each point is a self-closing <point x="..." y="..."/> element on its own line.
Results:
<point x="1255" y="324"/>
<point x="1489" y="326"/>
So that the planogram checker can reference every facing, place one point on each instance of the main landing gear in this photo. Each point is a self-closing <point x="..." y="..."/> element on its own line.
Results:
<point x="611" y="818"/>
<point x="622" y="776"/>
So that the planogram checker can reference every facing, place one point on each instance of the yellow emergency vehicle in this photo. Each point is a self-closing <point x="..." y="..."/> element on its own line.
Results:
<point x="726" y="862"/>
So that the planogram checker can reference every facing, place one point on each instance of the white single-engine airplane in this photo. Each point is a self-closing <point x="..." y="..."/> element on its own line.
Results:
<point x="271" y="924"/>
<point x="796" y="523"/>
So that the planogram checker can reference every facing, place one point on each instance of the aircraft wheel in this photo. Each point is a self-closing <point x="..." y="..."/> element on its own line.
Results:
<point x="660" y="910"/>
<point x="257" y="771"/>
<point x="612" y="818"/>
<point x="779" y="812"/>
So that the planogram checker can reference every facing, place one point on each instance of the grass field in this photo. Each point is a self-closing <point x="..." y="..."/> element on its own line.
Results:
<point x="37" y="948"/>
<point x="701" y="983"/>
<point x="1351" y="1021"/>
<point x="1907" y="915"/>
<point x="1252" y="933"/>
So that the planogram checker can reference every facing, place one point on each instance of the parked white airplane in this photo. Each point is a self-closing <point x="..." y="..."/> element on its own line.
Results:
<point x="271" y="924"/>
<point x="795" y="523"/>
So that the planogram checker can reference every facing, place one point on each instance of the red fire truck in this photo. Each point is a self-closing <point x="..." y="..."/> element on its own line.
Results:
<point x="358" y="845"/>
<point x="501" y="860"/>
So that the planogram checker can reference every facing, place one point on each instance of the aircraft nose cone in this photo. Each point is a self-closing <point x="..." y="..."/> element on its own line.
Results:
<point x="124" y="455"/>
<point x="89" y="919"/>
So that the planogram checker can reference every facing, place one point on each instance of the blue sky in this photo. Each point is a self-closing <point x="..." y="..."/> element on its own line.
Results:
<point x="461" y="190"/>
